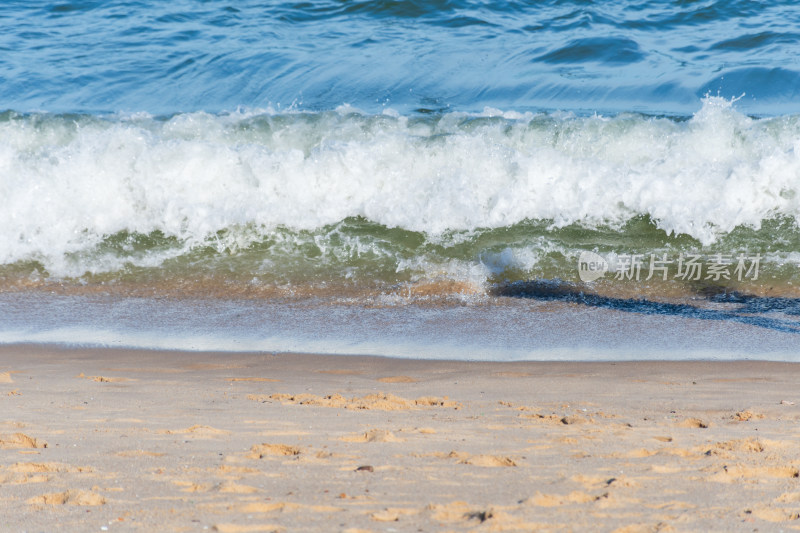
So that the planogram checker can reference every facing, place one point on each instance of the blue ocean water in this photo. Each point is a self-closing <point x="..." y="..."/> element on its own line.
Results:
<point x="457" y="55"/>
<point x="447" y="162"/>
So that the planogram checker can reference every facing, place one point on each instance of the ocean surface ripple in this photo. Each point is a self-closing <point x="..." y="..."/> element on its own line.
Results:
<point x="183" y="56"/>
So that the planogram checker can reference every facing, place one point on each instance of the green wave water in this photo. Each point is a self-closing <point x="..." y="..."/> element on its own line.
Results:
<point x="359" y="255"/>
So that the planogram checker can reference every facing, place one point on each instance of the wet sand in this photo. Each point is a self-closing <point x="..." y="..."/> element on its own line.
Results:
<point x="105" y="440"/>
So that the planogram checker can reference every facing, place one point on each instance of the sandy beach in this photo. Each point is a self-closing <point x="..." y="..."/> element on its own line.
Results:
<point x="120" y="440"/>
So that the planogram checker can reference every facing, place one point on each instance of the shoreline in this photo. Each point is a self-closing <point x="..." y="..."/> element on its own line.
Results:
<point x="194" y="441"/>
<point x="93" y="352"/>
<point x="501" y="329"/>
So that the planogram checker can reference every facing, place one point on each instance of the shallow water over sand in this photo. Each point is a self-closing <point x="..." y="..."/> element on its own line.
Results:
<point x="536" y="326"/>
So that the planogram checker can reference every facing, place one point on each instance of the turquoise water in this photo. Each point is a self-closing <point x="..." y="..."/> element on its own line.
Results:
<point x="392" y="153"/>
<point x="410" y="55"/>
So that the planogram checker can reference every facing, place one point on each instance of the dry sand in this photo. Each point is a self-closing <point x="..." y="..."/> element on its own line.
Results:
<point x="116" y="440"/>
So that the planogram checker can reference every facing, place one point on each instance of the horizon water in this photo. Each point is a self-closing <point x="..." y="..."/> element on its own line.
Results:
<point x="403" y="178"/>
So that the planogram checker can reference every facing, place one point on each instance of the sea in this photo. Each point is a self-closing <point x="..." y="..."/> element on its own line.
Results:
<point x="438" y="179"/>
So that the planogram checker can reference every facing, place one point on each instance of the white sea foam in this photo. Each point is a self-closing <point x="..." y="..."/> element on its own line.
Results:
<point x="66" y="182"/>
